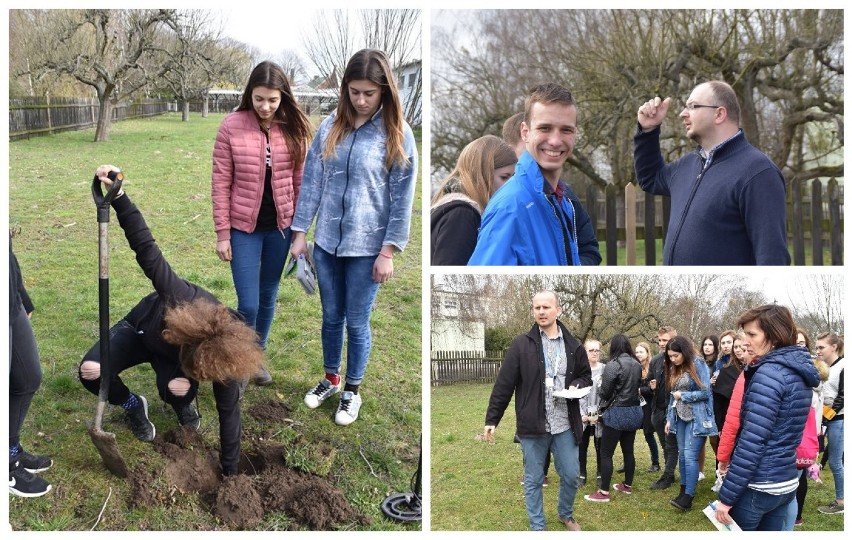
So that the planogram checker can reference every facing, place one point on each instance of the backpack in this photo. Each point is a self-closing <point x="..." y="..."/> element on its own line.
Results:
<point x="806" y="452"/>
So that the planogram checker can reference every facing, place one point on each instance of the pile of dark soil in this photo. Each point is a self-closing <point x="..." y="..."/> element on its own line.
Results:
<point x="265" y="483"/>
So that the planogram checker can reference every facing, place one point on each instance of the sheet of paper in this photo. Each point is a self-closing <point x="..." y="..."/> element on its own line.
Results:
<point x="575" y="393"/>
<point x="710" y="512"/>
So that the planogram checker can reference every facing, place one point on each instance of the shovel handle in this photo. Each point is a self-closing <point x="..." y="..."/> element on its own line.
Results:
<point x="102" y="201"/>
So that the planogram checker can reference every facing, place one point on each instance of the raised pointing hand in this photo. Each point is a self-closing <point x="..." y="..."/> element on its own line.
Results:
<point x="652" y="113"/>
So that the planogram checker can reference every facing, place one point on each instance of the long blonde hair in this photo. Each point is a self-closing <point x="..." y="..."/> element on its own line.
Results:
<point x="474" y="171"/>
<point x="371" y="65"/>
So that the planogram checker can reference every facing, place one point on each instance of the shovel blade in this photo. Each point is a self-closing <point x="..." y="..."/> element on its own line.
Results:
<point x="108" y="449"/>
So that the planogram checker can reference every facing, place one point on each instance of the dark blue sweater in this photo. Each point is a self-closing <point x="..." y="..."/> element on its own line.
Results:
<point x="731" y="213"/>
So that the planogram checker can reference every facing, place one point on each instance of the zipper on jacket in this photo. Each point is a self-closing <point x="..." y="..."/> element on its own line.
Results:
<point x="704" y="168"/>
<point x="566" y="234"/>
<point x="343" y="197"/>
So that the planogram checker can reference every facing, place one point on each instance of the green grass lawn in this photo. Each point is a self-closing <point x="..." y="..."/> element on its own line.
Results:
<point x="475" y="486"/>
<point x="640" y="253"/>
<point x="167" y="165"/>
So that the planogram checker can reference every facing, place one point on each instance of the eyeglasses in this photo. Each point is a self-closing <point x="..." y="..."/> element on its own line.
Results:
<point x="692" y="106"/>
<point x="801" y="344"/>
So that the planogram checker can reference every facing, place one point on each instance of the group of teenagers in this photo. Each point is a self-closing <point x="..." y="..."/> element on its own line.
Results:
<point x="758" y="394"/>
<point x="270" y="182"/>
<point x="505" y="202"/>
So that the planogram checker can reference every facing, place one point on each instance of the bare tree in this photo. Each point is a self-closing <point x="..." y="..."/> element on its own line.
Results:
<point x="785" y="65"/>
<point x="103" y="49"/>
<point x="330" y="42"/>
<point x="191" y="57"/>
<point x="337" y="35"/>
<point x="822" y="309"/>
<point x="293" y="66"/>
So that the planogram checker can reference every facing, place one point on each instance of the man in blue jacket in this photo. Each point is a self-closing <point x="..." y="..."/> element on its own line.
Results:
<point x="535" y="219"/>
<point x="728" y="199"/>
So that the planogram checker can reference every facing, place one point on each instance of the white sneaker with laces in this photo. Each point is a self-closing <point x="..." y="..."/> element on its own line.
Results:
<point x="347" y="410"/>
<point x="321" y="392"/>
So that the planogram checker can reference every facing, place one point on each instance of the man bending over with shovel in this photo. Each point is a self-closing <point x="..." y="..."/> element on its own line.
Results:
<point x="186" y="335"/>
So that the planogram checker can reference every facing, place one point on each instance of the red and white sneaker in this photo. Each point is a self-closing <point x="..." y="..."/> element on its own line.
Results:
<point x="623" y="488"/>
<point x="598" y="496"/>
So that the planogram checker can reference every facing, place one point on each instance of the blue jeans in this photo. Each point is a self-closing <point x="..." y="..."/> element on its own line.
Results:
<point x="566" y="458"/>
<point x="347" y="293"/>
<point x="256" y="265"/>
<point x="834" y="432"/>
<point x="758" y="511"/>
<point x="688" y="446"/>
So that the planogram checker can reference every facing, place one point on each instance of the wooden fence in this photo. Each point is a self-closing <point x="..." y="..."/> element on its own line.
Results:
<point x="32" y="117"/>
<point x="814" y="216"/>
<point x="454" y="367"/>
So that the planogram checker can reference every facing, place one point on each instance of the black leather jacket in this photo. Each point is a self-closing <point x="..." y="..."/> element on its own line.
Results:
<point x="620" y="382"/>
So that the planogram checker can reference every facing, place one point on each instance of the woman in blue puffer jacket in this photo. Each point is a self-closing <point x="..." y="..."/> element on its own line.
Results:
<point x="690" y="412"/>
<point x="759" y="491"/>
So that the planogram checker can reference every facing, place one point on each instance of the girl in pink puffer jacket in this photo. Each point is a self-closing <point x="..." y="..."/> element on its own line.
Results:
<point x="258" y="159"/>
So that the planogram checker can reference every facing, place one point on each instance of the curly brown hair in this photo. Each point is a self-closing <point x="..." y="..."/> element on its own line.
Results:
<point x="214" y="345"/>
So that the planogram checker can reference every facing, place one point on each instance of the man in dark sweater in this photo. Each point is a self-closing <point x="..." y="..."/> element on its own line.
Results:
<point x="545" y="360"/>
<point x="658" y="409"/>
<point x="728" y="199"/>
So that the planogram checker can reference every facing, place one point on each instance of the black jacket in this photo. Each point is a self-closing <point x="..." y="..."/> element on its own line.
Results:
<point x="455" y="225"/>
<point x="147" y="318"/>
<point x="661" y="394"/>
<point x="17" y="291"/>
<point x="620" y="382"/>
<point x="522" y="374"/>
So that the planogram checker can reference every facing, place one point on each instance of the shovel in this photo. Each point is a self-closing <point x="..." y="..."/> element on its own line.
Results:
<point x="104" y="441"/>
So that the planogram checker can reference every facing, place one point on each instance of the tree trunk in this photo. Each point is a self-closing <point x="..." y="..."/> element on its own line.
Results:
<point x="104" y="117"/>
<point x="205" y="106"/>
<point x="184" y="116"/>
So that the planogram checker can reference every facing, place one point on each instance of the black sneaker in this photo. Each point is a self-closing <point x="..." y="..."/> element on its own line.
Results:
<point x="188" y="415"/>
<point x="23" y="483"/>
<point x="137" y="417"/>
<point x="33" y="463"/>
<point x="664" y="482"/>
<point x="654" y="468"/>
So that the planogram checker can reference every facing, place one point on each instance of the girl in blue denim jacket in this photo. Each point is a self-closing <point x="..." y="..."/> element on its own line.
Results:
<point x="359" y="184"/>
<point x="690" y="412"/>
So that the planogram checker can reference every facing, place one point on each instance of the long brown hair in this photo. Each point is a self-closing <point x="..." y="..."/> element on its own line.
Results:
<point x="214" y="345"/>
<point x="733" y="357"/>
<point x="371" y="65"/>
<point x="682" y="345"/>
<point x="474" y="171"/>
<point x="294" y="123"/>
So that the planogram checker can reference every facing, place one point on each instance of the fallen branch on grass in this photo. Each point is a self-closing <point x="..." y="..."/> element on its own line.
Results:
<point x="102" y="510"/>
<point x="361" y="451"/>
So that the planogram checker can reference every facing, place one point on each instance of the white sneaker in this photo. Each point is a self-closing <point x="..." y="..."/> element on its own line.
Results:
<point x="701" y="476"/>
<point x="321" y="392"/>
<point x="347" y="410"/>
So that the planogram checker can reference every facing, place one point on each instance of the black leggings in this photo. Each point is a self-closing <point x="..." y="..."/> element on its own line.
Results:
<point x="24" y="371"/>
<point x="589" y="433"/>
<point x="610" y="439"/>
<point x="801" y="493"/>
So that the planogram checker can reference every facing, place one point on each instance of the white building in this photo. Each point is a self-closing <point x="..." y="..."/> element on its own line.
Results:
<point x="456" y="323"/>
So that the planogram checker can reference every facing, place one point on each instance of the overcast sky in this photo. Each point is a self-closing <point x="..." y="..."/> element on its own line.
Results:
<point x="243" y="25"/>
